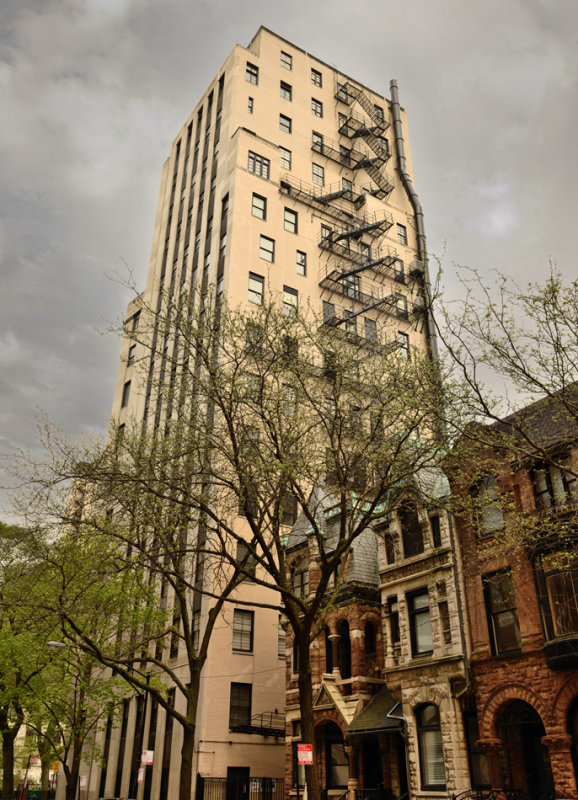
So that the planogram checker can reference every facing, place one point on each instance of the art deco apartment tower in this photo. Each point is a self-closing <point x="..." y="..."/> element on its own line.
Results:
<point x="288" y="179"/>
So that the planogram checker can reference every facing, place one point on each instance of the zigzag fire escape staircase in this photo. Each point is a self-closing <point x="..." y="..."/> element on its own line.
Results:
<point x="341" y="203"/>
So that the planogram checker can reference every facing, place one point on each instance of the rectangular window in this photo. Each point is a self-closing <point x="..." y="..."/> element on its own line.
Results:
<point x="267" y="249"/>
<point x="436" y="533"/>
<point x="393" y="607"/>
<point x="370" y="326"/>
<point x="285" y="123"/>
<point x="250" y="105"/>
<point x="290" y="300"/>
<point x="258" y="165"/>
<point x="328" y="311"/>
<point x="347" y="187"/>
<point x="344" y="154"/>
<point x="252" y="73"/>
<point x="256" y="288"/>
<point x="553" y="487"/>
<point x="378" y="113"/>
<point x="445" y="625"/>
<point x="401" y="234"/>
<point x="501" y="612"/>
<point x="316" y="107"/>
<point x="326" y="234"/>
<point x="365" y="251"/>
<point x="290" y="220"/>
<point x="350" y="323"/>
<point x="286" y="91"/>
<point x="286" y="60"/>
<point x="259" y="206"/>
<point x="420" y="623"/>
<point x="398" y="270"/>
<point x="301" y="263"/>
<point x="131" y="354"/>
<point x="342" y="123"/>
<point x="318" y="174"/>
<point x="281" y="639"/>
<point x="125" y="394"/>
<point x="316" y="77"/>
<point x="243" y="630"/>
<point x="317" y="142"/>
<point x="400" y="305"/>
<point x="242" y="558"/>
<point x="240" y="705"/>
<point x="403" y="343"/>
<point x="351" y="286"/>
<point x="285" y="158"/>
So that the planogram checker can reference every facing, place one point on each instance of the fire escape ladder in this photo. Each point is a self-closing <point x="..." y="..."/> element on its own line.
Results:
<point x="378" y="177"/>
<point x="348" y="93"/>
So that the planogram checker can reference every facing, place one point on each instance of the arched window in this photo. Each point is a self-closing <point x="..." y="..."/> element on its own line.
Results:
<point x="328" y="651"/>
<point x="300" y="577"/>
<point x="431" y="752"/>
<point x="489" y="513"/>
<point x="369" y="646"/>
<point x="411" y="531"/>
<point x="344" y="650"/>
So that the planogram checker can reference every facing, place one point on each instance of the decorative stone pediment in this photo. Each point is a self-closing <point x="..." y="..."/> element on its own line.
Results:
<point x="329" y="696"/>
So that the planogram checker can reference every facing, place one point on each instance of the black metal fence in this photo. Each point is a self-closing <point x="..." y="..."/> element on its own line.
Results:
<point x="241" y="788"/>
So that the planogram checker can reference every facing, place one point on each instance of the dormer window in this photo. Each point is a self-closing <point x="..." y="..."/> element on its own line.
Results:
<point x="554" y="487"/>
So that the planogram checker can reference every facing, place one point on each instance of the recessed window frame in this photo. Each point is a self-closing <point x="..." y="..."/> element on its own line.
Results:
<point x="240" y="704"/>
<point x="252" y="73"/>
<point x="256" y="288"/>
<point x="285" y="123"/>
<point x="495" y="613"/>
<point x="259" y="206"/>
<point x="267" y="249"/>
<point x="430" y="745"/>
<point x="420" y="623"/>
<point x="243" y="630"/>
<point x="286" y="158"/>
<point x="286" y="60"/>
<point x="318" y="174"/>
<point x="286" y="90"/>
<point x="316" y="108"/>
<point x="290" y="220"/>
<point x="258" y="165"/>
<point x="301" y="263"/>
<point x="316" y="77"/>
<point x="290" y="301"/>
<point x="401" y="233"/>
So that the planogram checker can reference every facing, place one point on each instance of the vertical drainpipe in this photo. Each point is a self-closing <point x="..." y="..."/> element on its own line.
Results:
<point x="418" y="213"/>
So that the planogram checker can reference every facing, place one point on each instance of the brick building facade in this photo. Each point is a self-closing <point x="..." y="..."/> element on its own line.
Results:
<point x="516" y="525"/>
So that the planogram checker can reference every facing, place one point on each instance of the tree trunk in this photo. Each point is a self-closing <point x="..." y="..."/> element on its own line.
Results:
<point x="188" y="748"/>
<point x="307" y="722"/>
<point x="44" y="778"/>
<point x="71" y="774"/>
<point x="8" y="762"/>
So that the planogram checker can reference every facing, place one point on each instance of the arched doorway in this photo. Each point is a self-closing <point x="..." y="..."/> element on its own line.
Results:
<point x="527" y="762"/>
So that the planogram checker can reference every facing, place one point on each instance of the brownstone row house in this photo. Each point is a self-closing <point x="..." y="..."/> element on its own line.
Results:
<point x="517" y="523"/>
<point x="448" y="662"/>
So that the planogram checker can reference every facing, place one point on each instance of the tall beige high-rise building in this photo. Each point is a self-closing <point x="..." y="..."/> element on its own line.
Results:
<point x="288" y="179"/>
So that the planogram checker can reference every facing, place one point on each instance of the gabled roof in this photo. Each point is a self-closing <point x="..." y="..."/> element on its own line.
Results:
<point x="382" y="713"/>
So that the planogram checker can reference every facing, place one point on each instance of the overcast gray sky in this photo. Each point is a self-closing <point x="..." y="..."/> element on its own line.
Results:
<point x="92" y="93"/>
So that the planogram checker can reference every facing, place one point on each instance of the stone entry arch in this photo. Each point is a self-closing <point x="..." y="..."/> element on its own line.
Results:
<point x="525" y="761"/>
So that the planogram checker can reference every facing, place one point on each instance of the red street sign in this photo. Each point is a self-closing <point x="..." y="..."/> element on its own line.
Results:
<point x="305" y="754"/>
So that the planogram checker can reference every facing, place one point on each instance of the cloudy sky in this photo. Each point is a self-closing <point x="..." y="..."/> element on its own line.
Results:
<point x="92" y="93"/>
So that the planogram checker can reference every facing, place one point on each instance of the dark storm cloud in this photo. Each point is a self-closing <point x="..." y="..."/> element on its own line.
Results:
<point x="93" y="92"/>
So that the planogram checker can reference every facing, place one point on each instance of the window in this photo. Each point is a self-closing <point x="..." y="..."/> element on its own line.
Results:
<point x="289" y="501"/>
<point x="316" y="107"/>
<point x="420" y="623"/>
<point x="347" y="187"/>
<point x="256" y="288"/>
<point x="378" y="113"/>
<point x="328" y="311"/>
<point x="125" y="394"/>
<point x="342" y="123"/>
<point x="411" y="532"/>
<point x="240" y="705"/>
<point x="242" y="558"/>
<point x="436" y="534"/>
<point x="365" y="251"/>
<point x="300" y="577"/>
<point x="370" y="326"/>
<point x="553" y="487"/>
<point x="403" y="343"/>
<point x="131" y="354"/>
<point x="285" y="158"/>
<point x="431" y="751"/>
<point x="259" y="206"/>
<point x="326" y="234"/>
<point x="286" y="60"/>
<point x="444" y="614"/>
<point x="243" y="630"/>
<point x="281" y="639"/>
<point x="316" y="77"/>
<point x="286" y="91"/>
<point x="285" y="123"/>
<point x="134" y="322"/>
<point x="318" y="174"/>
<point x="398" y="270"/>
<point x="350" y="323"/>
<point x="258" y="165"/>
<point x="558" y="578"/>
<point x="317" y="142"/>
<point x="351" y="286"/>
<point x="488" y="510"/>
<point x="401" y="234"/>
<point x="344" y="154"/>
<point x="290" y="298"/>
<point x="290" y="220"/>
<point x="400" y="305"/>
<point x="501" y="612"/>
<point x="301" y="263"/>
<point x="252" y="73"/>
<point x="250" y="105"/>
<point x="393" y="607"/>
<point x="267" y="249"/>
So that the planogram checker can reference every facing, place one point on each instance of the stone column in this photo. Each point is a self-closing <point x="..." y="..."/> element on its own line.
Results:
<point x="492" y="748"/>
<point x="388" y="649"/>
<point x="334" y="639"/>
<point x="353" y="781"/>
<point x="559" y="749"/>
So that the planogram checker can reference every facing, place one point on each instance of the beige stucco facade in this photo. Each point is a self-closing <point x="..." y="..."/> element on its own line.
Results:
<point x="283" y="177"/>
